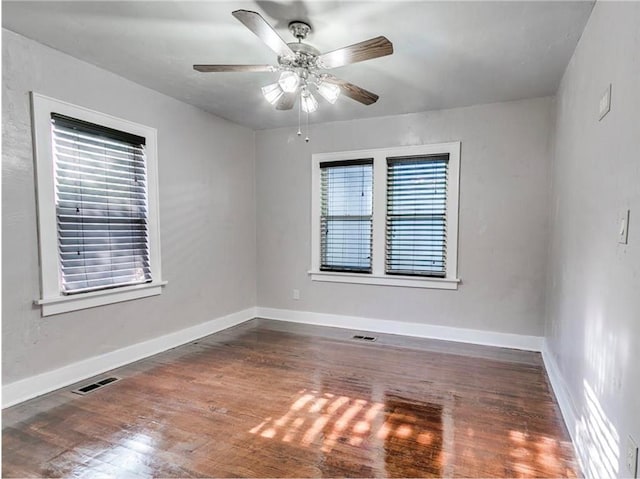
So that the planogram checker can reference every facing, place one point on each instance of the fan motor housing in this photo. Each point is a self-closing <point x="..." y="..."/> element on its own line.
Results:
<point x="305" y="56"/>
<point x="304" y="48"/>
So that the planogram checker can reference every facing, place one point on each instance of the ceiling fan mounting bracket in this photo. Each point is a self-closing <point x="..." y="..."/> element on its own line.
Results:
<point x="299" y="29"/>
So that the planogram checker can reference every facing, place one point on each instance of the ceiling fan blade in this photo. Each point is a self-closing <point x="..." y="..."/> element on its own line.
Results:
<point x="353" y="91"/>
<point x="287" y="100"/>
<point x="234" y="68"/>
<point x="359" y="52"/>
<point x="265" y="32"/>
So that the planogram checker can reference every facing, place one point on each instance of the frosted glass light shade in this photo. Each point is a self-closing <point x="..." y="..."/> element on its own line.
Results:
<point x="309" y="102"/>
<point x="329" y="91"/>
<point x="272" y="93"/>
<point x="289" y="81"/>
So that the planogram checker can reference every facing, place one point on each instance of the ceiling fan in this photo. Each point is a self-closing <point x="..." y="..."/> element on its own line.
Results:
<point x="301" y="65"/>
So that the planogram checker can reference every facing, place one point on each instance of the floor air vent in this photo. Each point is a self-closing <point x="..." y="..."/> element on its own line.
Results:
<point x="93" y="386"/>
<point x="359" y="337"/>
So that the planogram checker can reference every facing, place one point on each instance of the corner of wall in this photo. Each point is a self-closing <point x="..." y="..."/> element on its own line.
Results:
<point x="551" y="155"/>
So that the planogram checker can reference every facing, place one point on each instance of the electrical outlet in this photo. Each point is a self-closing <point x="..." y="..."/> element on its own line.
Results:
<point x="605" y="102"/>
<point x="296" y="294"/>
<point x="632" y="457"/>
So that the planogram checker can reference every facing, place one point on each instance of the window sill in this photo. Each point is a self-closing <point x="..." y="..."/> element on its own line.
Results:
<point x="385" y="280"/>
<point x="63" y="304"/>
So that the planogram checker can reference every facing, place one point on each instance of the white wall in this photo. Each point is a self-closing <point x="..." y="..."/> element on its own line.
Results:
<point x="207" y="215"/>
<point x="593" y="330"/>
<point x="504" y="188"/>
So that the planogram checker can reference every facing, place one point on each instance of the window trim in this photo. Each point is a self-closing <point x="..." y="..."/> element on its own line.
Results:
<point x="378" y="276"/>
<point x="52" y="300"/>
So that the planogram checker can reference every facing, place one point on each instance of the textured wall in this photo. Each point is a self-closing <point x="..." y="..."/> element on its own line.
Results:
<point x="504" y="188"/>
<point x="594" y="282"/>
<point x="207" y="215"/>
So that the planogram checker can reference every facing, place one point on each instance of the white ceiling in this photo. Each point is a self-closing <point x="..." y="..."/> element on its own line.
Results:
<point x="447" y="54"/>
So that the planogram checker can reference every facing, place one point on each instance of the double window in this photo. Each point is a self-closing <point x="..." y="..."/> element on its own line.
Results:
<point x="97" y="205"/>
<point x="387" y="216"/>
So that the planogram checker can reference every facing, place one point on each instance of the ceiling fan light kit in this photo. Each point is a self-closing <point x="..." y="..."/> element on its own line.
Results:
<point x="272" y="92"/>
<point x="329" y="91"/>
<point x="308" y="101"/>
<point x="300" y="66"/>
<point x="289" y="81"/>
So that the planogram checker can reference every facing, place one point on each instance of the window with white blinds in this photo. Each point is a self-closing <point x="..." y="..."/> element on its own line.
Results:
<point x="416" y="226"/>
<point x="346" y="215"/>
<point x="393" y="216"/>
<point x="101" y="206"/>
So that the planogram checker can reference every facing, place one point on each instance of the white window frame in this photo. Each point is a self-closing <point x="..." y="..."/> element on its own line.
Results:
<point x="378" y="275"/>
<point x="52" y="300"/>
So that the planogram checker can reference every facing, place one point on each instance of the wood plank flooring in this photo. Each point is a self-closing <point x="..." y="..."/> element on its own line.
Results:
<point x="270" y="399"/>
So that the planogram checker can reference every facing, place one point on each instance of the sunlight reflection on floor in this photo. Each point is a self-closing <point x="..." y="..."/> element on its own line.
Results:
<point x="409" y="436"/>
<point x="328" y="417"/>
<point x="397" y="427"/>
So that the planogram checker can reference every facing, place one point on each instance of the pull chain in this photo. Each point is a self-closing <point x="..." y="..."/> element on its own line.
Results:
<point x="307" y="138"/>
<point x="299" y="109"/>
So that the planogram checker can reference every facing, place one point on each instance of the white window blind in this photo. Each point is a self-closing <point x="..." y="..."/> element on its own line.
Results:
<point x="416" y="226"/>
<point x="101" y="206"/>
<point x="346" y="215"/>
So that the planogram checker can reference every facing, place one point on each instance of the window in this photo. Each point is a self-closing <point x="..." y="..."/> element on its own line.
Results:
<point x="346" y="220"/>
<point x="101" y="206"/>
<point x="97" y="207"/>
<point x="388" y="219"/>
<point x="416" y="215"/>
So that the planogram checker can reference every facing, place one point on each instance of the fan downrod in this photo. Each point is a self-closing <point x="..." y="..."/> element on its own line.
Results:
<point x="299" y="29"/>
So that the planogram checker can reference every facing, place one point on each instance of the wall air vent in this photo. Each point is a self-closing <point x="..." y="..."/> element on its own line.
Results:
<point x="359" y="337"/>
<point x="93" y="386"/>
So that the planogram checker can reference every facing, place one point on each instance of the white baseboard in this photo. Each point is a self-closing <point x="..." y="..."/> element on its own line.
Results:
<point x="560" y="390"/>
<point x="419" y="330"/>
<point x="563" y="397"/>
<point x="33" y="386"/>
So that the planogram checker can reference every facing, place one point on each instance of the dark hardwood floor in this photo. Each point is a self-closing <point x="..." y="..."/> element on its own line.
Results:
<point x="270" y="399"/>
